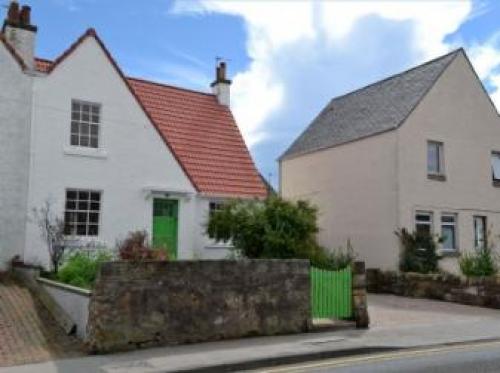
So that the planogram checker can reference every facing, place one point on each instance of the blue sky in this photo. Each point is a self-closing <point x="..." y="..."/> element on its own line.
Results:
<point x="287" y="58"/>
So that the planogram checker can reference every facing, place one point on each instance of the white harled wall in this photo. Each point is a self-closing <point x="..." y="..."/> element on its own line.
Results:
<point x="132" y="160"/>
<point x="15" y="113"/>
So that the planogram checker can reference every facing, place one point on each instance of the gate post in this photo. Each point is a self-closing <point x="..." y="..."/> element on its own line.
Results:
<point x="359" y="300"/>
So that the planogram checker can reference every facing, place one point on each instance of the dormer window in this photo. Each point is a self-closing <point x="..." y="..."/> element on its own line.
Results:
<point x="85" y="122"/>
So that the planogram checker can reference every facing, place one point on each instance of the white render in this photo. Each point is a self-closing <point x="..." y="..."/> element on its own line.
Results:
<point x="131" y="166"/>
<point x="368" y="188"/>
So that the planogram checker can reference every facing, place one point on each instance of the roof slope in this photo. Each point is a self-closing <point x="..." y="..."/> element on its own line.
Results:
<point x="204" y="136"/>
<point x="371" y="110"/>
<point x="201" y="133"/>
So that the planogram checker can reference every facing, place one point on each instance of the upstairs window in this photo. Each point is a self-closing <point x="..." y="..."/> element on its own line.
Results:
<point x="435" y="159"/>
<point x="423" y="222"/>
<point x="480" y="232"/>
<point x="495" y="166"/>
<point x="81" y="215"/>
<point x="449" y="231"/>
<point x="85" y="122"/>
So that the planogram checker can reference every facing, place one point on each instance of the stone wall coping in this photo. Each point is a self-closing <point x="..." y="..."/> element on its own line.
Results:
<point x="61" y="286"/>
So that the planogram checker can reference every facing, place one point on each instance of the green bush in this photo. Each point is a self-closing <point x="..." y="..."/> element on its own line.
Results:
<point x="418" y="252"/>
<point x="273" y="228"/>
<point x="336" y="259"/>
<point x="478" y="263"/>
<point x="80" y="269"/>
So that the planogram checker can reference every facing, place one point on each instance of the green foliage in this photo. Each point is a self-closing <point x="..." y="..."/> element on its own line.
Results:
<point x="273" y="228"/>
<point x="478" y="263"/>
<point x="80" y="269"/>
<point x="418" y="252"/>
<point x="336" y="259"/>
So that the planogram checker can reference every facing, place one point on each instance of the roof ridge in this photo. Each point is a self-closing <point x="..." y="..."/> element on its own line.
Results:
<point x="357" y="90"/>
<point x="167" y="85"/>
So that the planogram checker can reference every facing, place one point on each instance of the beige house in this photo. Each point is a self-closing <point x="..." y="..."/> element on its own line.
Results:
<point x="420" y="150"/>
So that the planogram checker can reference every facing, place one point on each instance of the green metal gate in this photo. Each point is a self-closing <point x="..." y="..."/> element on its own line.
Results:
<point x="331" y="293"/>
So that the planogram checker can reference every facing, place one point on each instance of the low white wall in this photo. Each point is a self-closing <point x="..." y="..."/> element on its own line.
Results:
<point x="74" y="301"/>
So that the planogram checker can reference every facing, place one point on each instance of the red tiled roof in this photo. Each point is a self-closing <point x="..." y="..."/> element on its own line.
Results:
<point x="201" y="133"/>
<point x="43" y="65"/>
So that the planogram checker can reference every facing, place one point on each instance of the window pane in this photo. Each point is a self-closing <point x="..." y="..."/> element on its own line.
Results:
<point x="84" y="141"/>
<point x="74" y="140"/>
<point x="93" y="142"/>
<point x="94" y="130"/>
<point x="81" y="230"/>
<point x="86" y="109"/>
<point x="75" y="115"/>
<point x="480" y="231"/>
<point x="448" y="219"/>
<point x="83" y="194"/>
<point x="495" y="165"/>
<point x="433" y="158"/>
<point x="75" y="106"/>
<point x="423" y="229"/>
<point x="93" y="230"/>
<point x="93" y="217"/>
<point x="423" y="217"/>
<point x="95" y="119"/>
<point x="95" y="196"/>
<point x="71" y="194"/>
<point x="448" y="233"/>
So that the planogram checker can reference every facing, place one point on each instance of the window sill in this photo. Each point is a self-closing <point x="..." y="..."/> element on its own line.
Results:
<point x="436" y="177"/>
<point x="85" y="152"/>
<point x="219" y="247"/>
<point x="449" y="253"/>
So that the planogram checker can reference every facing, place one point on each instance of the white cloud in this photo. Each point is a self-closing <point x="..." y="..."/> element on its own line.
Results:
<point x="279" y="30"/>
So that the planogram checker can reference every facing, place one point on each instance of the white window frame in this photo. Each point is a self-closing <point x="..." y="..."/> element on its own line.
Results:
<point x="495" y="166"/>
<point x="79" y="123"/>
<point x="430" y="223"/>
<point x="440" y="158"/>
<point x="453" y="224"/>
<point x="484" y="220"/>
<point x="73" y="230"/>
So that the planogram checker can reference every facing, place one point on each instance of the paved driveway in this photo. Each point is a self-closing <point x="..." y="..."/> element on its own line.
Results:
<point x="388" y="311"/>
<point x="28" y="333"/>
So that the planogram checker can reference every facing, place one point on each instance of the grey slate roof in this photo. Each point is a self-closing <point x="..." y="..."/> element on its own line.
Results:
<point x="371" y="110"/>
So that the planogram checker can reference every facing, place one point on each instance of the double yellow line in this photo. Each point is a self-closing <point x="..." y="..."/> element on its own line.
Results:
<point x="373" y="358"/>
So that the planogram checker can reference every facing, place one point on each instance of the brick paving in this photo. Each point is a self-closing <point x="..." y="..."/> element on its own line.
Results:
<point x="28" y="333"/>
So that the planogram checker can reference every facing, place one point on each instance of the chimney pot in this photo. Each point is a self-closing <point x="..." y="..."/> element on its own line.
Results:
<point x="13" y="13"/>
<point x="25" y="16"/>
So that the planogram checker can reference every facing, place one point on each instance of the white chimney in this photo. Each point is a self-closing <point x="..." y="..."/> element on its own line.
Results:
<point x="221" y="85"/>
<point x="20" y="33"/>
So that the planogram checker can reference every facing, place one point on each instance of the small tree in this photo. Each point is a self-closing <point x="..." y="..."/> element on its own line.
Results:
<point x="418" y="252"/>
<point x="52" y="231"/>
<point x="273" y="228"/>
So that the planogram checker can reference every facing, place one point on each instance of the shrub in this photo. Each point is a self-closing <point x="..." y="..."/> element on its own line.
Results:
<point x="273" y="228"/>
<point x="136" y="248"/>
<point x="80" y="269"/>
<point x="337" y="259"/>
<point x="418" y="252"/>
<point x="478" y="263"/>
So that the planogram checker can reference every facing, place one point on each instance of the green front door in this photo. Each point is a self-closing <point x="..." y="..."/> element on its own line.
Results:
<point x="165" y="216"/>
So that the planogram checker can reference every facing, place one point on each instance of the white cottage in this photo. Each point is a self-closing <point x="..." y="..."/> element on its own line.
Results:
<point x="112" y="153"/>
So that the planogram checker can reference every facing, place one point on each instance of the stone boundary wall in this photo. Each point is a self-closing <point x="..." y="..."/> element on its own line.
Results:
<point x="159" y="303"/>
<point x="483" y="292"/>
